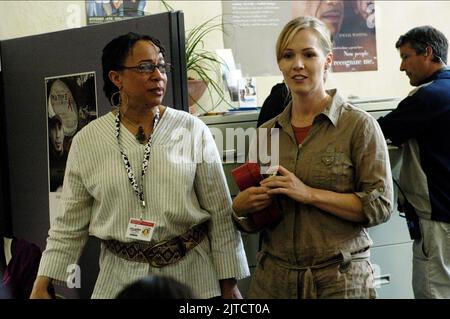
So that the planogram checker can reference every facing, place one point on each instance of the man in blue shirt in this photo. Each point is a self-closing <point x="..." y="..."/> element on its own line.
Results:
<point x="421" y="125"/>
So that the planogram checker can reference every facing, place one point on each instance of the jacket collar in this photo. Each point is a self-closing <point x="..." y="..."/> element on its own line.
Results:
<point x="331" y="112"/>
<point x="443" y="73"/>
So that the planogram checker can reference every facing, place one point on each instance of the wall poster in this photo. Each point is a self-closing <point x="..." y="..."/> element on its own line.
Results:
<point x="257" y="24"/>
<point x="100" y="11"/>
<point x="71" y="105"/>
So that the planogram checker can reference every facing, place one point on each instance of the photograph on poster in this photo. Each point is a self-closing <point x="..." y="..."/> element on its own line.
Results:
<point x="355" y="47"/>
<point x="101" y="11"/>
<point x="256" y="24"/>
<point x="71" y="105"/>
<point x="247" y="93"/>
<point x="352" y="26"/>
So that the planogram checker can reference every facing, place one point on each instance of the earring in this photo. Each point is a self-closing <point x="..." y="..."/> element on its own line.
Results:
<point x="120" y="102"/>
<point x="111" y="100"/>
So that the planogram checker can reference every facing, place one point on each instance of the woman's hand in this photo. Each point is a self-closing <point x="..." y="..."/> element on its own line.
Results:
<point x="251" y="200"/>
<point x="230" y="289"/>
<point x="40" y="288"/>
<point x="347" y="206"/>
<point x="288" y="184"/>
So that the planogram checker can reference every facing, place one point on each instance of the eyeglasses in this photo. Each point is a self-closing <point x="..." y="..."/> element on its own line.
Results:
<point x="147" y="67"/>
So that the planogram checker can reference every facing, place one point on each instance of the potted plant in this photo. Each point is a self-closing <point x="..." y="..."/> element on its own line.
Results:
<point x="203" y="66"/>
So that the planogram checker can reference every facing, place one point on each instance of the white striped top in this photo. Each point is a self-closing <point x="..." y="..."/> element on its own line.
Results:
<point x="184" y="185"/>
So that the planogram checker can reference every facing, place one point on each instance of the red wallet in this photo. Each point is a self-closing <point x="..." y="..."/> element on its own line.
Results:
<point x="248" y="175"/>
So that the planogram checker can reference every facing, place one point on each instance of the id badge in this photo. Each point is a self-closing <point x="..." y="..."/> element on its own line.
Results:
<point x="140" y="229"/>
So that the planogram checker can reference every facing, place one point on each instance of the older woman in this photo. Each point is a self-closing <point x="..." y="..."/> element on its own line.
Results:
<point x="156" y="210"/>
<point x="334" y="181"/>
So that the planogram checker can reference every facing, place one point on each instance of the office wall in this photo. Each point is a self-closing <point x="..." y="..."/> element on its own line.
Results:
<point x="393" y="18"/>
<point x="21" y="18"/>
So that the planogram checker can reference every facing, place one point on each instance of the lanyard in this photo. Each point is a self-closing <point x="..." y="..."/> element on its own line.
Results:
<point x="138" y="189"/>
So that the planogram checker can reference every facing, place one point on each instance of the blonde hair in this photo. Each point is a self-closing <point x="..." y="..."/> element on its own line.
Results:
<point x="301" y="23"/>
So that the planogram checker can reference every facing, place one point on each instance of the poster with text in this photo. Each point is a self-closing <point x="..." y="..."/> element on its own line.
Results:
<point x="71" y="105"/>
<point x="101" y="11"/>
<point x="256" y="24"/>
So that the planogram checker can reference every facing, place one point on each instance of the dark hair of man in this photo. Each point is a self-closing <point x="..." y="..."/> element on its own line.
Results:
<point x="156" y="287"/>
<point x="420" y="38"/>
<point x="115" y="53"/>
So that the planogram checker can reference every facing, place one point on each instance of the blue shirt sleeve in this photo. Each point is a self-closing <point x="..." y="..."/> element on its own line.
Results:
<point x="412" y="117"/>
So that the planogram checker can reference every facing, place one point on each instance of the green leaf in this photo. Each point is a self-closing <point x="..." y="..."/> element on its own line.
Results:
<point x="203" y="63"/>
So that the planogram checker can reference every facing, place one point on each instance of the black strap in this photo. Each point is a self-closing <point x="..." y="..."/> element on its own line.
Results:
<point x="400" y="189"/>
<point x="402" y="206"/>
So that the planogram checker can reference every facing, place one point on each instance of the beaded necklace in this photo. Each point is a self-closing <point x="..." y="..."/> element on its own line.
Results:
<point x="138" y="189"/>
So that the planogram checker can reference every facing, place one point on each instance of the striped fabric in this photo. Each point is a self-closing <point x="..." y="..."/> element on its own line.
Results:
<point x="185" y="185"/>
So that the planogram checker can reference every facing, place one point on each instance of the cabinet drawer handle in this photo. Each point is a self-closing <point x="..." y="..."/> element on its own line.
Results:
<point x="232" y="156"/>
<point x="229" y="154"/>
<point x="382" y="280"/>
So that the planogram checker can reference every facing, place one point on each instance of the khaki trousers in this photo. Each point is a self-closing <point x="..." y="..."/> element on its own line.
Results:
<point x="347" y="279"/>
<point x="431" y="261"/>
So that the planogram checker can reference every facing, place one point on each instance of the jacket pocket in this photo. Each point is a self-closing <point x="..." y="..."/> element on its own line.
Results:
<point x="333" y="170"/>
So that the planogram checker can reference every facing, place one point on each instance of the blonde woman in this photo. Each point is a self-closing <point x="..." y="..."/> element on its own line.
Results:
<point x="334" y="181"/>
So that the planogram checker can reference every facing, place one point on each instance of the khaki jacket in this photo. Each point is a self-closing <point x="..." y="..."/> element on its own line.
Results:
<point x="345" y="152"/>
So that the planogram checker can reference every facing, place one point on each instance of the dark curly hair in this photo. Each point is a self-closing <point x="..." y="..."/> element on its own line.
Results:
<point x="115" y="53"/>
